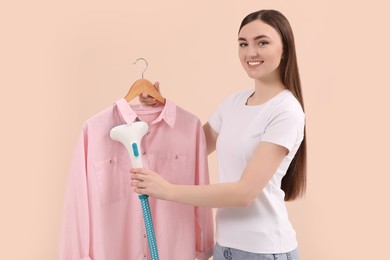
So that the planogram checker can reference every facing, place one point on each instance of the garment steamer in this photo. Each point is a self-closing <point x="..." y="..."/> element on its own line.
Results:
<point x="130" y="136"/>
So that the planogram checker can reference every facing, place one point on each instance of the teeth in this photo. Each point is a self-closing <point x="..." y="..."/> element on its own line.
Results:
<point x="254" y="63"/>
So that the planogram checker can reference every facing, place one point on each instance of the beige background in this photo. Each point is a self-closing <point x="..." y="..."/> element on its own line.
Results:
<point x="64" y="61"/>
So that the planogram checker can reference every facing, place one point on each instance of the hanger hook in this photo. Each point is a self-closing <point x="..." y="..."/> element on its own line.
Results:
<point x="145" y="67"/>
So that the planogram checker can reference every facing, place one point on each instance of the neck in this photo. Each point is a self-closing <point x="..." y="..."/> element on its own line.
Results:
<point x="264" y="90"/>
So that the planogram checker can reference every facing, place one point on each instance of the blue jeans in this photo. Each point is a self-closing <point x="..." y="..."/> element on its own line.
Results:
<point x="226" y="253"/>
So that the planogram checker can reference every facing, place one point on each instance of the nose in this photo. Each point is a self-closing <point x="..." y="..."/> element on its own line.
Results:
<point x="252" y="51"/>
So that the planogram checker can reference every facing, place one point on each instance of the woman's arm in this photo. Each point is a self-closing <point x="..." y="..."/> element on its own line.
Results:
<point x="211" y="137"/>
<point x="259" y="170"/>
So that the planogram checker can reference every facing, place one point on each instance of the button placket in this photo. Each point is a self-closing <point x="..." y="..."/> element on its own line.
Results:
<point x="144" y="150"/>
<point x="145" y="243"/>
<point x="146" y="165"/>
<point x="146" y="247"/>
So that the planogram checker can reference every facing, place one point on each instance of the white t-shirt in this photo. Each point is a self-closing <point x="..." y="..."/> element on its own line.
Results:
<point x="262" y="227"/>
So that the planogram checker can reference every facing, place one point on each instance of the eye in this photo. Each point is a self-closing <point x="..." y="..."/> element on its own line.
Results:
<point x="242" y="44"/>
<point x="262" y="43"/>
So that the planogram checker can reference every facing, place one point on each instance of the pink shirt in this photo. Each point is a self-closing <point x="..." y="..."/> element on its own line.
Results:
<point x="103" y="216"/>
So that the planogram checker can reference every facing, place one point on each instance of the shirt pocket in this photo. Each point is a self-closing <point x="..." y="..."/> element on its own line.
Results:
<point x="113" y="179"/>
<point x="175" y="168"/>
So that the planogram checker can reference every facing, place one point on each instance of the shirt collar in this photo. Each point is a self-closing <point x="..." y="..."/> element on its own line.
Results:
<point x="129" y="115"/>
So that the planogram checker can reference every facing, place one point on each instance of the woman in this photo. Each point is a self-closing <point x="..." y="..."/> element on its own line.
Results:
<point x="261" y="149"/>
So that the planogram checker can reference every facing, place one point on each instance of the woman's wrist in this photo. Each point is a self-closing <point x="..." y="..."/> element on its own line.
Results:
<point x="171" y="192"/>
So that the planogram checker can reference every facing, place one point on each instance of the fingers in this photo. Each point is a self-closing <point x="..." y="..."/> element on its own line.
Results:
<point x="138" y="176"/>
<point x="140" y="190"/>
<point x="147" y="100"/>
<point x="139" y="172"/>
<point x="139" y="186"/>
<point x="147" y="182"/>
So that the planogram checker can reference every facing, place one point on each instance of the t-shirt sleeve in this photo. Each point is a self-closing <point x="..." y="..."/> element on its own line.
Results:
<point x="285" y="128"/>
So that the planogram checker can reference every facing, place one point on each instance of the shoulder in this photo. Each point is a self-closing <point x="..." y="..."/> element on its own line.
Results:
<point x="287" y="106"/>
<point x="100" y="117"/>
<point x="289" y="103"/>
<point x="185" y="115"/>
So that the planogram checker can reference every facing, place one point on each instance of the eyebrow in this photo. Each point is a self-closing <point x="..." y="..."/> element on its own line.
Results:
<point x="256" y="38"/>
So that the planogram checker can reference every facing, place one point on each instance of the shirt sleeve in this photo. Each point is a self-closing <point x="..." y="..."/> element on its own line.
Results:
<point x="74" y="237"/>
<point x="204" y="227"/>
<point x="285" y="128"/>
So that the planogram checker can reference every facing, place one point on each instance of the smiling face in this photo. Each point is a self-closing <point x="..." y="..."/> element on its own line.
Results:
<point x="260" y="50"/>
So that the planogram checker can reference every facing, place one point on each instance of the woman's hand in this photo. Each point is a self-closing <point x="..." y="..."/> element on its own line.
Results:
<point x="150" y="183"/>
<point x="147" y="100"/>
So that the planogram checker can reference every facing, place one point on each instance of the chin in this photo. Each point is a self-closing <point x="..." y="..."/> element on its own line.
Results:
<point x="252" y="76"/>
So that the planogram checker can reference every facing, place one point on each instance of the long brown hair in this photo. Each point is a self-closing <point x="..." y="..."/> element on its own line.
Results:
<point x="294" y="182"/>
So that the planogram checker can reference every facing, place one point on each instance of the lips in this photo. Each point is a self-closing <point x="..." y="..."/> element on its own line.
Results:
<point x="253" y="64"/>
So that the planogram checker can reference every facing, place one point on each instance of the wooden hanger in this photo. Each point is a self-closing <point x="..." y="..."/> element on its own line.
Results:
<point x="143" y="86"/>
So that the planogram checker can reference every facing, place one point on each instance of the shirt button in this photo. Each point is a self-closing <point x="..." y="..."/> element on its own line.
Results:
<point x="144" y="236"/>
<point x="143" y="153"/>
<point x="148" y="133"/>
